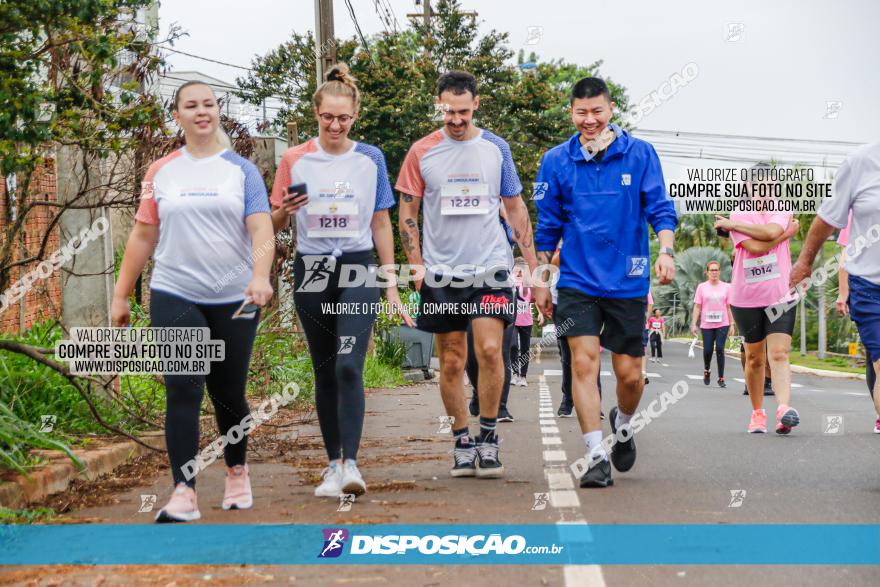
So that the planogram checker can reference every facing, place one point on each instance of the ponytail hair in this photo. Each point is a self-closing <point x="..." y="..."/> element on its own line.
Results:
<point x="223" y="139"/>
<point x="339" y="82"/>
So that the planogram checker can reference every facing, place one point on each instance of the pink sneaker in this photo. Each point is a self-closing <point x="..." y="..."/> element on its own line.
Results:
<point x="238" y="495"/>
<point x="182" y="507"/>
<point x="877" y="426"/>
<point x="786" y="419"/>
<point x="758" y="423"/>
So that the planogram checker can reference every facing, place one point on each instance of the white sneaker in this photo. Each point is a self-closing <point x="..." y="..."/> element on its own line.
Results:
<point x="523" y="382"/>
<point x="352" y="482"/>
<point x="331" y="486"/>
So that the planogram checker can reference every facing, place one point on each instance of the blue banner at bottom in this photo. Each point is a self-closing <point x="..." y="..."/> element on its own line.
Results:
<point x="561" y="544"/>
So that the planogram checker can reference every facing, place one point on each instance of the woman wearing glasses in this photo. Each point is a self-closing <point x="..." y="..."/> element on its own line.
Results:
<point x="340" y="214"/>
<point x="712" y="307"/>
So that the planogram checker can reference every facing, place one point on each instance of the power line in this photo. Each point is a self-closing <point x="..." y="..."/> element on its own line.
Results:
<point x="206" y="58"/>
<point x="357" y="26"/>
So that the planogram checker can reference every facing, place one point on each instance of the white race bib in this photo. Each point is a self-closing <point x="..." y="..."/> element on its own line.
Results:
<point x="332" y="219"/>
<point x="761" y="269"/>
<point x="464" y="198"/>
<point x="715" y="316"/>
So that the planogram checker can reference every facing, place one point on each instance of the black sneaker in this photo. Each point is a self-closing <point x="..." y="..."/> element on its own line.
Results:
<point x="488" y="464"/>
<point x="599" y="475"/>
<point x="746" y="390"/>
<point x="647" y="381"/>
<point x="565" y="407"/>
<point x="721" y="382"/>
<point x="474" y="407"/>
<point x="706" y="376"/>
<point x="504" y="415"/>
<point x="465" y="457"/>
<point x="623" y="455"/>
<point x="601" y="415"/>
<point x="768" y="387"/>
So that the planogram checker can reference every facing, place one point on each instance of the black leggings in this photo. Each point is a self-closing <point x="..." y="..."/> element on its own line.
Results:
<point x="870" y="375"/>
<point x="717" y="338"/>
<point x="338" y="347"/>
<point x="656" y="345"/>
<point x="473" y="369"/>
<point x="226" y="381"/>
<point x="565" y="359"/>
<point x="519" y="353"/>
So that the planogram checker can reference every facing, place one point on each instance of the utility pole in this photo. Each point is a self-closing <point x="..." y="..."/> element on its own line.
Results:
<point x="325" y="38"/>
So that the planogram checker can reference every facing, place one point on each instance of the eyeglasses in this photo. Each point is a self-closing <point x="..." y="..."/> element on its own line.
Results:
<point x="715" y="269"/>
<point x="342" y="118"/>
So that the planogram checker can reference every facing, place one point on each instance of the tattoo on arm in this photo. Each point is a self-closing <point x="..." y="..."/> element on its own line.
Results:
<point x="406" y="239"/>
<point x="406" y="197"/>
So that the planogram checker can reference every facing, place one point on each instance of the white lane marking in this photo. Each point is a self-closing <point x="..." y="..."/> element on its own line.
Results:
<point x="553" y="372"/>
<point x="854" y="393"/>
<point x="564" y="498"/>
<point x="554" y="455"/>
<point x="694" y="377"/>
<point x="560" y="480"/>
<point x="583" y="575"/>
<point x="563" y="494"/>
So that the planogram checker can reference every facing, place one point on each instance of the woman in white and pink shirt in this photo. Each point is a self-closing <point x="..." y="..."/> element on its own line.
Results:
<point x="712" y="308"/>
<point x="758" y="299"/>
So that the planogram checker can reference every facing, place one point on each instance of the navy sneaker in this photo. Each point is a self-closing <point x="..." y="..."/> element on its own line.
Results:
<point x="623" y="455"/>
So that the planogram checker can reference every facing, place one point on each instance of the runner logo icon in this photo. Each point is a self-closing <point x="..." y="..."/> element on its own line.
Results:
<point x="346" y="344"/>
<point x="334" y="542"/>
<point x="317" y="275"/>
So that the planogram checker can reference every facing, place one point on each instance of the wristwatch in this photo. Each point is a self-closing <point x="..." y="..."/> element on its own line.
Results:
<point x="668" y="250"/>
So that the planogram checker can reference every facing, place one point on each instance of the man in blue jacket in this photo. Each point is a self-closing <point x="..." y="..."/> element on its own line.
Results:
<point x="598" y="191"/>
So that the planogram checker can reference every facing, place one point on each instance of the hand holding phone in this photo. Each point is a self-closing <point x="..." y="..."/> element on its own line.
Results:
<point x="297" y="197"/>
<point x="246" y="311"/>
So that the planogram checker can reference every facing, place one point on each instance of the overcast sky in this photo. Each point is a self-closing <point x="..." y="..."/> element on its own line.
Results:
<point x="765" y="68"/>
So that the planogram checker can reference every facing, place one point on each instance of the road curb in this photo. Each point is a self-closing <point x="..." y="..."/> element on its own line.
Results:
<point x="60" y="472"/>
<point x="794" y="368"/>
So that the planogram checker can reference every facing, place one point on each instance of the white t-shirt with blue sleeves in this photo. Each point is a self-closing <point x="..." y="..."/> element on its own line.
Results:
<point x="200" y="205"/>
<point x="344" y="190"/>
<point x="461" y="184"/>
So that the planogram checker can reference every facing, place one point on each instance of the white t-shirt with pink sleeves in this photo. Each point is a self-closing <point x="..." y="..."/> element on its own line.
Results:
<point x="760" y="281"/>
<point x="713" y="300"/>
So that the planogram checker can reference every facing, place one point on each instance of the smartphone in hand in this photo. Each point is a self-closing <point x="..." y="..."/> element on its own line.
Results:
<point x="295" y="193"/>
<point x="246" y="311"/>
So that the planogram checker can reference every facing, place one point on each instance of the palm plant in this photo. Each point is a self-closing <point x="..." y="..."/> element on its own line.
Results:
<point x="676" y="300"/>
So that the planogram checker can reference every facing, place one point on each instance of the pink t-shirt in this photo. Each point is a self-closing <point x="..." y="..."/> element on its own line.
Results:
<point x="713" y="300"/>
<point x="656" y="324"/>
<point x="760" y="280"/>
<point x="523" y="305"/>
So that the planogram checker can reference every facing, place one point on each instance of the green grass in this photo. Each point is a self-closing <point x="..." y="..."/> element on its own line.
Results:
<point x="379" y="374"/>
<point x="840" y="364"/>
<point x="25" y="516"/>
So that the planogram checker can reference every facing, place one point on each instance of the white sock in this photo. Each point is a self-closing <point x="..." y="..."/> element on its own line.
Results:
<point x="622" y="419"/>
<point x="594" y="444"/>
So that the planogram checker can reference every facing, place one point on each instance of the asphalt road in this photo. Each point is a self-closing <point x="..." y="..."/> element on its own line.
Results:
<point x="690" y="460"/>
